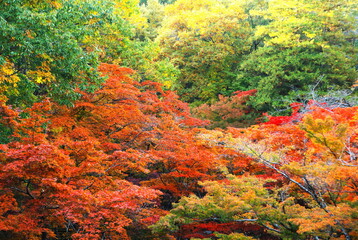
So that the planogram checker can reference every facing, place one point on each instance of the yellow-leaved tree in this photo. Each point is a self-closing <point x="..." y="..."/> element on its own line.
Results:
<point x="205" y="40"/>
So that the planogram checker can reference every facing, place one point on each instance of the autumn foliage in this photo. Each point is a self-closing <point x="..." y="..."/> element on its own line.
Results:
<point x="64" y="171"/>
<point x="230" y="111"/>
<point x="120" y="157"/>
<point x="306" y="187"/>
<point x="90" y="149"/>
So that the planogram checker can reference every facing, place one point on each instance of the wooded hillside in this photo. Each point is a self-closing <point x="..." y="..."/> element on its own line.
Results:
<point x="216" y="119"/>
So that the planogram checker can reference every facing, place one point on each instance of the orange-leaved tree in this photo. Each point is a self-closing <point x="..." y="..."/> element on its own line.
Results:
<point x="94" y="170"/>
<point x="60" y="179"/>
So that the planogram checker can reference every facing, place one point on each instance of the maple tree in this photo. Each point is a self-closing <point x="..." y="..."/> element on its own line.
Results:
<point x="313" y="170"/>
<point x="63" y="172"/>
<point x="59" y="179"/>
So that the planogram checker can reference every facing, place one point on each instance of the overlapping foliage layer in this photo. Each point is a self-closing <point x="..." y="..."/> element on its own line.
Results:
<point x="92" y="150"/>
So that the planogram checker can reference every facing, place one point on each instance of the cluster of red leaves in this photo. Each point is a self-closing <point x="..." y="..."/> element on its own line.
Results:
<point x="280" y="120"/>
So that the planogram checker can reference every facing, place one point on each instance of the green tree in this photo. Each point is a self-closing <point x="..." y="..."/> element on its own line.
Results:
<point x="51" y="48"/>
<point x="142" y="53"/>
<point x="307" y="45"/>
<point x="153" y="12"/>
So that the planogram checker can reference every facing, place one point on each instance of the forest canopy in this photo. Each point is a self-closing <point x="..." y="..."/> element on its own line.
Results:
<point x="183" y="119"/>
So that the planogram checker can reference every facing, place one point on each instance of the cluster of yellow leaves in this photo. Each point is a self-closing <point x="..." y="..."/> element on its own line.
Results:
<point x="326" y="132"/>
<point x="42" y="74"/>
<point x="41" y="3"/>
<point x="8" y="80"/>
<point x="313" y="220"/>
<point x="333" y="153"/>
<point x="203" y="17"/>
<point x="302" y="23"/>
<point x="129" y="10"/>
